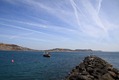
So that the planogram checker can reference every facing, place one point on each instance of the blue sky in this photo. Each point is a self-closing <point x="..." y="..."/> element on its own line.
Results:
<point x="47" y="24"/>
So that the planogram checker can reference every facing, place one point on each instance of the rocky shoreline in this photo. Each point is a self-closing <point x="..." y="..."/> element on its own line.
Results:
<point x="93" y="68"/>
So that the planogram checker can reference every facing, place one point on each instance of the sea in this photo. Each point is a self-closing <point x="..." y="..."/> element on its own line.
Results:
<point x="29" y="65"/>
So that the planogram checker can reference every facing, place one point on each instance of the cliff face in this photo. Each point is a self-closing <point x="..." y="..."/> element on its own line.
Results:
<point x="13" y="47"/>
<point x="94" y="68"/>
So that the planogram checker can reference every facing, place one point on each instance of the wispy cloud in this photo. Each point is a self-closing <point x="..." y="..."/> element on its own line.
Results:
<point x="22" y="37"/>
<point x="82" y="18"/>
<point x="24" y="22"/>
<point x="19" y="36"/>
<point x="64" y="19"/>
<point x="53" y="28"/>
<point x="47" y="26"/>
<point x="60" y="7"/>
<point x="22" y="28"/>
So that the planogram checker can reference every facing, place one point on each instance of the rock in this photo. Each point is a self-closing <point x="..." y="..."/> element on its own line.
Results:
<point x="94" y="68"/>
<point x="112" y="74"/>
<point x="106" y="77"/>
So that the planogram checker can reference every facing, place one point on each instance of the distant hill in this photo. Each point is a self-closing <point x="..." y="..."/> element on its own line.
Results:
<point x="13" y="47"/>
<point x="67" y="50"/>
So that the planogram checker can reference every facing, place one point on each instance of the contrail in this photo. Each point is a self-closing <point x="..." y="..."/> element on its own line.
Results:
<point x="99" y="6"/>
<point x="75" y="11"/>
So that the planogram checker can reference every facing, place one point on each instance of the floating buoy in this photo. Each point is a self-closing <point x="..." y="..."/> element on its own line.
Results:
<point x="12" y="61"/>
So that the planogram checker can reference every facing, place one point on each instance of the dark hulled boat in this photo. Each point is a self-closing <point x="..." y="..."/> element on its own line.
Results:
<point x="46" y="54"/>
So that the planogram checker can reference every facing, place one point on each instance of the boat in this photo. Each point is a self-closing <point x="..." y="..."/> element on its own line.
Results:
<point x="46" y="54"/>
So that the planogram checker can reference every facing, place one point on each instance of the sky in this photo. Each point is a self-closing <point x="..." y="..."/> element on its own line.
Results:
<point x="73" y="24"/>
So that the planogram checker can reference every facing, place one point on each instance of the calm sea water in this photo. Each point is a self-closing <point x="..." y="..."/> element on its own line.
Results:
<point x="33" y="66"/>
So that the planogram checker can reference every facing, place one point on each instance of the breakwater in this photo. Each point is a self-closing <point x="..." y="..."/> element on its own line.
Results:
<point x="93" y="68"/>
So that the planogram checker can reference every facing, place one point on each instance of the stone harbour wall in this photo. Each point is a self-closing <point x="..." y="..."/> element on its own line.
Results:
<point x="93" y="68"/>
